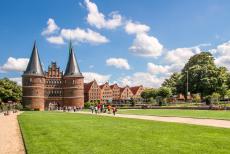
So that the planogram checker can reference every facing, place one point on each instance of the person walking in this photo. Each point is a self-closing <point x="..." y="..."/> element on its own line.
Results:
<point x="102" y="108"/>
<point x="114" y="110"/>
<point x="74" y="109"/>
<point x="92" y="108"/>
<point x="99" y="107"/>
<point x="96" y="109"/>
<point x="109" y="108"/>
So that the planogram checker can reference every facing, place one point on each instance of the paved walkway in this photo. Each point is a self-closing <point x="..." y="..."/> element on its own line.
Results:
<point x="10" y="135"/>
<point x="204" y="122"/>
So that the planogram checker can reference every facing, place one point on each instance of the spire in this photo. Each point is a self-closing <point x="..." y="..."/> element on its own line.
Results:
<point x="70" y="46"/>
<point x="72" y="68"/>
<point x="34" y="66"/>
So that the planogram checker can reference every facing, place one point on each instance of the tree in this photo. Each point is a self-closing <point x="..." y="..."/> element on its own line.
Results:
<point x="215" y="97"/>
<point x="9" y="90"/>
<point x="228" y="94"/>
<point x="196" y="98"/>
<point x="149" y="93"/>
<point x="204" y="76"/>
<point x="164" y="92"/>
<point x="172" y="82"/>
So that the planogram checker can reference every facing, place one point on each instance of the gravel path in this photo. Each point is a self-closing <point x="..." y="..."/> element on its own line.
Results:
<point x="204" y="122"/>
<point x="10" y="135"/>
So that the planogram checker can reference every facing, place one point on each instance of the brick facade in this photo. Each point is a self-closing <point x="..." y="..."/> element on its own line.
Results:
<point x="106" y="93"/>
<point x="40" y="89"/>
<point x="116" y="92"/>
<point x="137" y="90"/>
<point x="92" y="92"/>
<point x="126" y="93"/>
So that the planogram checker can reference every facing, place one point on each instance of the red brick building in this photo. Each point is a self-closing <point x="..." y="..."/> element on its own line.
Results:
<point x="116" y="92"/>
<point x="40" y="89"/>
<point x="106" y="93"/>
<point x="137" y="90"/>
<point x="92" y="92"/>
<point x="126" y="93"/>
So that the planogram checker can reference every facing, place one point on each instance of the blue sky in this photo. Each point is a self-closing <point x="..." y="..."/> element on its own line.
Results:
<point x="129" y="42"/>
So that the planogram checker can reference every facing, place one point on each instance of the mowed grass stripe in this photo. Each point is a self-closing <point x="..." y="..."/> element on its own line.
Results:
<point x="209" y="114"/>
<point x="50" y="132"/>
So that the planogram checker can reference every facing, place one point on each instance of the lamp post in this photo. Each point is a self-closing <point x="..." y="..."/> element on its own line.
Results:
<point x="187" y="85"/>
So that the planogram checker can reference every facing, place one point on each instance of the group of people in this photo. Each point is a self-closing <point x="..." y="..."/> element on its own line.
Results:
<point x="102" y="108"/>
<point x="71" y="108"/>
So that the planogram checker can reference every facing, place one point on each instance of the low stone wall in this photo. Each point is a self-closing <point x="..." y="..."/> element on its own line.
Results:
<point x="176" y="107"/>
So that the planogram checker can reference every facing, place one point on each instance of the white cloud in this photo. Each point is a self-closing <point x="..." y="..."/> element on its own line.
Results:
<point x="14" y="64"/>
<point x="120" y="63"/>
<point x="81" y="35"/>
<point x="223" y="61"/>
<point x="157" y="69"/>
<point x="77" y="34"/>
<point x="97" y="19"/>
<point x="175" y="68"/>
<point x="100" y="78"/>
<point x="164" y="70"/>
<point x="222" y="53"/>
<point x="223" y="49"/>
<point x="141" y="78"/>
<point x="136" y="28"/>
<point x="146" y="46"/>
<point x="51" y="28"/>
<point x="18" y="80"/>
<point x="181" y="55"/>
<point x="55" y="40"/>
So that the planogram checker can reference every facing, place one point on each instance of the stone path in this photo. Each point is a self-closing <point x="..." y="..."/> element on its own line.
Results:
<point x="10" y="135"/>
<point x="204" y="122"/>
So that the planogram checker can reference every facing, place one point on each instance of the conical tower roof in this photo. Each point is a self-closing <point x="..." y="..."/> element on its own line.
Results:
<point x="72" y="68"/>
<point x="34" y="66"/>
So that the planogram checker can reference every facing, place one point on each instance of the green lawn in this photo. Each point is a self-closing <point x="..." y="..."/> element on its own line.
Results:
<point x="180" y="113"/>
<point x="52" y="132"/>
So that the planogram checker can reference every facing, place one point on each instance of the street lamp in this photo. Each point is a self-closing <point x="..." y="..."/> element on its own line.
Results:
<point x="187" y="84"/>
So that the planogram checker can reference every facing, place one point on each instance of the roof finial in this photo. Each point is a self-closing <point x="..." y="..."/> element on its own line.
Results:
<point x="70" y="46"/>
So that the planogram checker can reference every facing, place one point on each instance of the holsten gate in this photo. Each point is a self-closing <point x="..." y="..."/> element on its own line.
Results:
<point x="42" y="88"/>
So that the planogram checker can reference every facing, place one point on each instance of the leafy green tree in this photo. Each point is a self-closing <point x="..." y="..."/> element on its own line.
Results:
<point x="87" y="105"/>
<point x="172" y="82"/>
<point x="9" y="90"/>
<point x="164" y="92"/>
<point x="215" y="97"/>
<point x="149" y="93"/>
<point x="204" y="76"/>
<point x="196" y="98"/>
<point x="228" y="93"/>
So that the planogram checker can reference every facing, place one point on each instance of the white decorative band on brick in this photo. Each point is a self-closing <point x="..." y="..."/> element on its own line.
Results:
<point x="34" y="96"/>
<point x="72" y="88"/>
<point x="33" y="86"/>
<point x="74" y="97"/>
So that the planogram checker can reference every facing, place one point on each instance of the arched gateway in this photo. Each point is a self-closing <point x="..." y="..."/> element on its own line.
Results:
<point x="43" y="90"/>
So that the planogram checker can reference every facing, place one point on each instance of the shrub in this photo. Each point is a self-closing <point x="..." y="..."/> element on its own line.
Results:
<point x="215" y="97"/>
<point x="208" y="100"/>
<point x="18" y="106"/>
<point x="196" y="98"/>
<point x="87" y="105"/>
